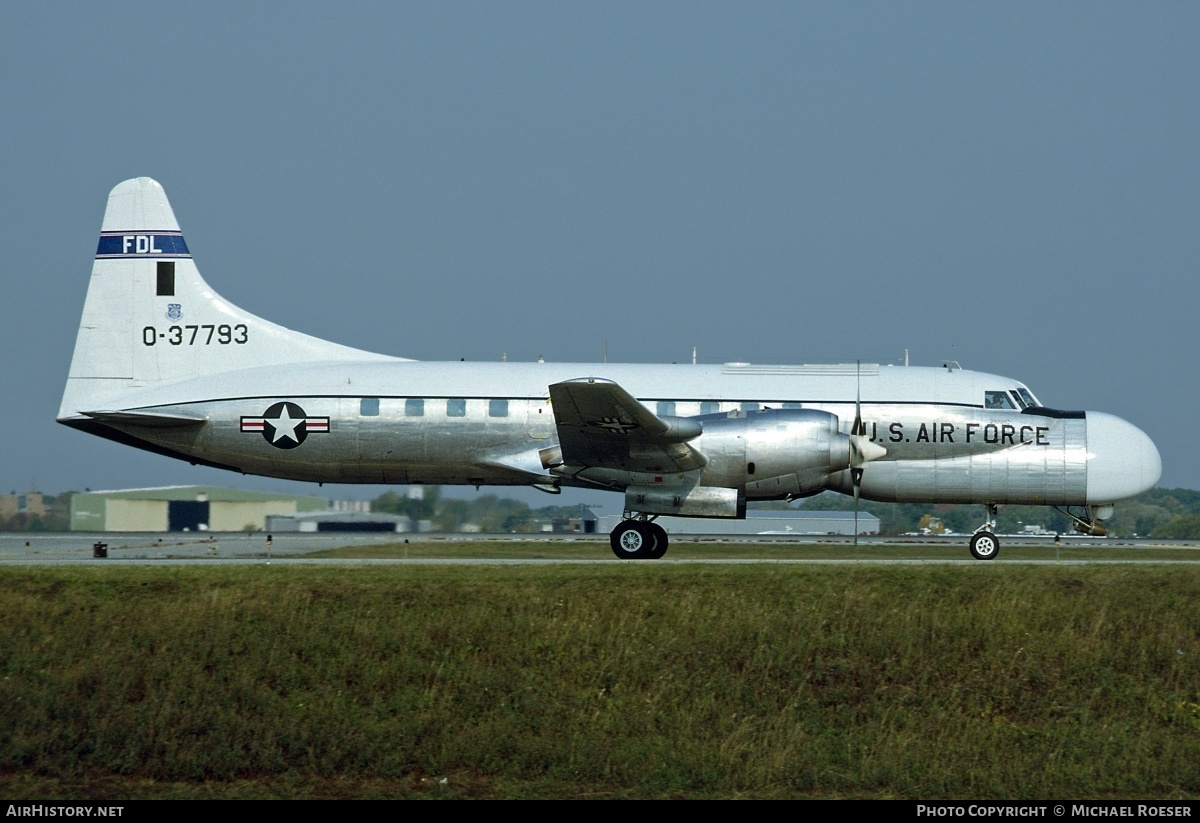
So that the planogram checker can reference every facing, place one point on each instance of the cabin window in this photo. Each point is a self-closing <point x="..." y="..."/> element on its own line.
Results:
<point x="369" y="407"/>
<point x="666" y="407"/>
<point x="497" y="408"/>
<point x="750" y="467"/>
<point x="997" y="400"/>
<point x="749" y="407"/>
<point x="710" y="407"/>
<point x="456" y="407"/>
<point x="165" y="286"/>
<point x="414" y="407"/>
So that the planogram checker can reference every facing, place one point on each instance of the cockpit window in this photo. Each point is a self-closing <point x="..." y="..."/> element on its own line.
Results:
<point x="1030" y="400"/>
<point x="997" y="400"/>
<point x="1020" y="403"/>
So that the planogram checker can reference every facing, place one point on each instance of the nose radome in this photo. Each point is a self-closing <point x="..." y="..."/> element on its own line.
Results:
<point x="1122" y="460"/>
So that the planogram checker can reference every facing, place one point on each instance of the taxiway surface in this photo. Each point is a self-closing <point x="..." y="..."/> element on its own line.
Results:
<point x="31" y="549"/>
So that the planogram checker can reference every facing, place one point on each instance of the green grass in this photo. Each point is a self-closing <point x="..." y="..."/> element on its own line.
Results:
<point x="687" y="548"/>
<point x="615" y="680"/>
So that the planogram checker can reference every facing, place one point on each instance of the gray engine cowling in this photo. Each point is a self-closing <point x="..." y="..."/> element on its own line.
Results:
<point x="774" y="453"/>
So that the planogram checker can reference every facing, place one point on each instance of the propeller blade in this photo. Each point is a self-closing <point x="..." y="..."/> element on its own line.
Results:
<point x="862" y="450"/>
<point x="856" y="476"/>
<point x="856" y="432"/>
<point x="858" y="426"/>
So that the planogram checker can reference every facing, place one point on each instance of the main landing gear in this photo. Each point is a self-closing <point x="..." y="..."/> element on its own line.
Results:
<point x="638" y="540"/>
<point x="984" y="545"/>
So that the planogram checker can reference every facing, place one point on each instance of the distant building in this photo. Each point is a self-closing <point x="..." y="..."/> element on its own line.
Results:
<point x="780" y="522"/>
<point x="183" y="509"/>
<point x="584" y="523"/>
<point x="31" y="503"/>
<point x="340" y="521"/>
<point x="350" y="505"/>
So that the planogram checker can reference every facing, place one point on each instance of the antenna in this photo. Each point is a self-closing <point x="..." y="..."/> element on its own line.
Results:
<point x="693" y="355"/>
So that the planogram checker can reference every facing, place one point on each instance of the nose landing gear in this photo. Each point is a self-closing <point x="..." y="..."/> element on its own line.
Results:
<point x="984" y="545"/>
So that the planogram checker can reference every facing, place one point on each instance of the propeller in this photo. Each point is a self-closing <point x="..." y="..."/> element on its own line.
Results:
<point x="862" y="450"/>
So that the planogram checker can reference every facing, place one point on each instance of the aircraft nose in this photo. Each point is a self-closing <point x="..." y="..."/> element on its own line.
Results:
<point x="1122" y="460"/>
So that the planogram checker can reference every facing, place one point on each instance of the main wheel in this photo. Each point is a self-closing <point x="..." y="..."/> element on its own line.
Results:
<point x="984" y="546"/>
<point x="660" y="541"/>
<point x="633" y="540"/>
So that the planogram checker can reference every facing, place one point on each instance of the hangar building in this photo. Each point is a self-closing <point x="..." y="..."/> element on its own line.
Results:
<point x="341" y="522"/>
<point x="184" y="508"/>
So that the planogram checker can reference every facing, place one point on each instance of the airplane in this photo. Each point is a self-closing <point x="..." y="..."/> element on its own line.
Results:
<point x="164" y="363"/>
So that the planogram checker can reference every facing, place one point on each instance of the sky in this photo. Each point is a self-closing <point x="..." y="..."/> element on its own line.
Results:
<point x="1015" y="186"/>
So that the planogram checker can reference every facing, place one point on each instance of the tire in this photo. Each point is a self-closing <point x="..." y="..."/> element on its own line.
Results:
<point x="660" y="541"/>
<point x="984" y="546"/>
<point x="633" y="540"/>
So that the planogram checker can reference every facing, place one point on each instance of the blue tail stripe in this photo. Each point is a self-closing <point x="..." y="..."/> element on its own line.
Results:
<point x="142" y="244"/>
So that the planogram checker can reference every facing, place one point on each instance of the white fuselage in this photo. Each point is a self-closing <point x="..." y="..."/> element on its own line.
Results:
<point x="486" y="423"/>
<point x="162" y="362"/>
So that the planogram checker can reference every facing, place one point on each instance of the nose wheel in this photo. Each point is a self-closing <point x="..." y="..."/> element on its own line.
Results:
<point x="984" y="545"/>
<point x="638" y="540"/>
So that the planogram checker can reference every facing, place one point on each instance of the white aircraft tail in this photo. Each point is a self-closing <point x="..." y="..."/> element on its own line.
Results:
<point x="149" y="317"/>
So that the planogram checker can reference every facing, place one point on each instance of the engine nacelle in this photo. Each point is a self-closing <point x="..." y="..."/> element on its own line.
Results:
<point x="773" y="454"/>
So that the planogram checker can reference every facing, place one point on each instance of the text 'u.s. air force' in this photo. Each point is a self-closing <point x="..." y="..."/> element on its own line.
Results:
<point x="1003" y="434"/>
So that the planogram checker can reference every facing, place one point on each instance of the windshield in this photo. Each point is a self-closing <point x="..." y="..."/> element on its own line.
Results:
<point x="997" y="400"/>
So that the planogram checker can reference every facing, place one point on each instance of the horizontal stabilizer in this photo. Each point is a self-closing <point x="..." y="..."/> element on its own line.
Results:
<point x="150" y="420"/>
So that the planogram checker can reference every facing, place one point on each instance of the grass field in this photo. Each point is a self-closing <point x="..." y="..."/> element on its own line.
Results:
<point x="615" y="680"/>
<point x="688" y="548"/>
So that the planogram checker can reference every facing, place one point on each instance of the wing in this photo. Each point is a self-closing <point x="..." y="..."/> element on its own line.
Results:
<point x="601" y="425"/>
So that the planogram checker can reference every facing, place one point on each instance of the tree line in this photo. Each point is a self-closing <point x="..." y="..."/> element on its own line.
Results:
<point x="1165" y="513"/>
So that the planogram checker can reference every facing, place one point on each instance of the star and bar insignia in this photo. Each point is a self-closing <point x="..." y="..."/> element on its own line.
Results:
<point x="285" y="425"/>
<point x="614" y="424"/>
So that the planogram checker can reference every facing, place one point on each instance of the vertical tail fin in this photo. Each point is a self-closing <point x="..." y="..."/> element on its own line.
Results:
<point x="149" y="317"/>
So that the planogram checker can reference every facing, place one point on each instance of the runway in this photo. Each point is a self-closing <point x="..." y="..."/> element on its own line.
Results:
<point x="77" y="548"/>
